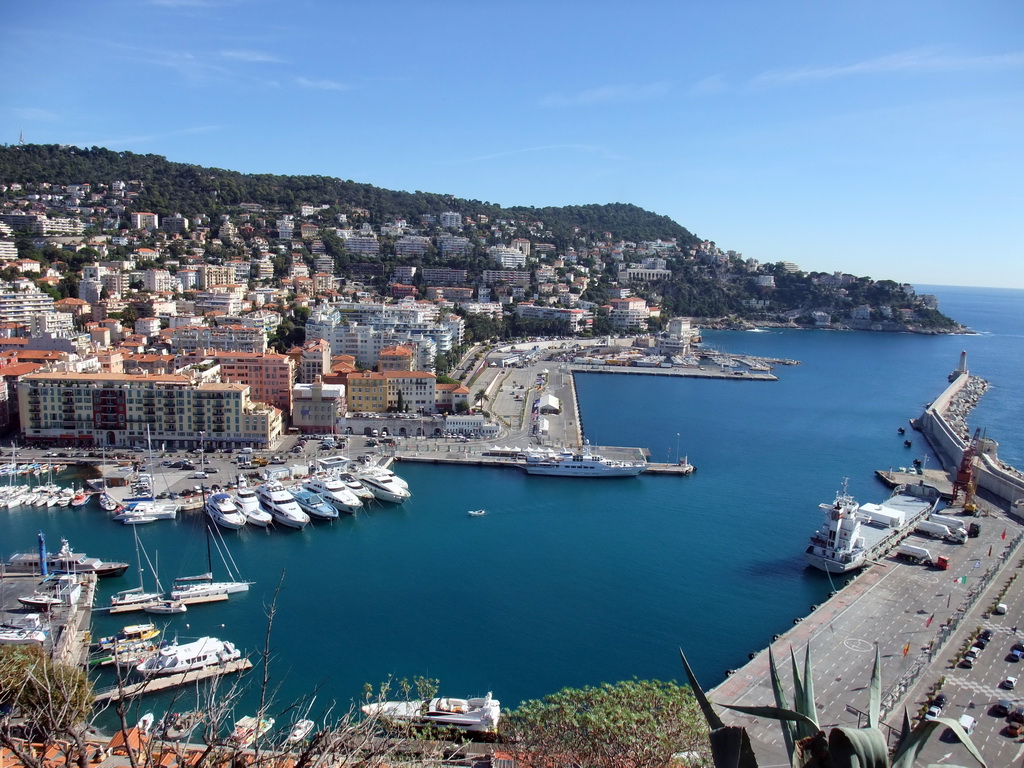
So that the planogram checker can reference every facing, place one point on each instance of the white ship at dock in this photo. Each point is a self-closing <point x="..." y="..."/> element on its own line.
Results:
<point x="852" y="534"/>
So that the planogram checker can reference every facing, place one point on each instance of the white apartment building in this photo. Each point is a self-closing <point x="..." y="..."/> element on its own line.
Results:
<point x="20" y="306"/>
<point x="158" y="280"/>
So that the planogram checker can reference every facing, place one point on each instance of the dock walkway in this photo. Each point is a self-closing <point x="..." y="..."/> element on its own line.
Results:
<point x="171" y="681"/>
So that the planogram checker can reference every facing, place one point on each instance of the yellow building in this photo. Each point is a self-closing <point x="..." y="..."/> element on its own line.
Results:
<point x="367" y="392"/>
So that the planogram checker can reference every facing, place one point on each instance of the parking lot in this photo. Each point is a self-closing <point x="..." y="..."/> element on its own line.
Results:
<point x="989" y="688"/>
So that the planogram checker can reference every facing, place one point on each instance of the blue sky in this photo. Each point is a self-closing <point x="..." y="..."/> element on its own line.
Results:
<point x="878" y="138"/>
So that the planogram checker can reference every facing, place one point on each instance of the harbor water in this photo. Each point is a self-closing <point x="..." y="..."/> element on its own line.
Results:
<point x="569" y="582"/>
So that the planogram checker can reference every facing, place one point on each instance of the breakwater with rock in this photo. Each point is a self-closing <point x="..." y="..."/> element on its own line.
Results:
<point x="944" y="424"/>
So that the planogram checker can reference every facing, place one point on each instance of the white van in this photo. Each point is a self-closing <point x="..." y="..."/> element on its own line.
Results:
<point x="967" y="723"/>
<point x="247" y="449"/>
<point x="1000" y="609"/>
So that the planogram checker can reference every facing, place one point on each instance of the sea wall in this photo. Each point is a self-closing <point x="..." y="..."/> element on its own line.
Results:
<point x="940" y="423"/>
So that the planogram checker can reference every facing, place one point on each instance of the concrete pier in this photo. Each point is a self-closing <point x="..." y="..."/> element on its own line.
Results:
<point x="171" y="681"/>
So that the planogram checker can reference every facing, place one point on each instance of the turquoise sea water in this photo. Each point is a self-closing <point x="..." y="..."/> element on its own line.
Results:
<point x="570" y="582"/>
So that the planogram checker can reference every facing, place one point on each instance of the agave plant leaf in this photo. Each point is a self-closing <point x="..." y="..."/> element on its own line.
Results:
<point x="858" y="748"/>
<point x="875" y="692"/>
<point x="905" y="729"/>
<point x="788" y="729"/>
<point x="807" y="705"/>
<point x="730" y="747"/>
<point x="773" y="713"/>
<point x="910" y="748"/>
<point x="714" y="721"/>
<point x="802" y="730"/>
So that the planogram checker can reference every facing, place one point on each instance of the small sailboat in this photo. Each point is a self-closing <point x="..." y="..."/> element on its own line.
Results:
<point x="165" y="607"/>
<point x="137" y="595"/>
<point x="203" y="585"/>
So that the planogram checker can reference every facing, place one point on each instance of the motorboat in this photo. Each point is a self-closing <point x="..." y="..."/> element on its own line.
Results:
<point x="186" y="657"/>
<point x="282" y="506"/>
<point x="249" y="504"/>
<point x="107" y="502"/>
<point x="337" y="492"/>
<point x="479" y="715"/>
<point x="40" y="601"/>
<point x="359" y="490"/>
<point x="477" y="512"/>
<point x="157" y="510"/>
<point x="313" y="504"/>
<point x="80" y="499"/>
<point x="14" y="636"/>
<point x="382" y="485"/>
<point x="134" y="517"/>
<point x="176" y="726"/>
<point x="248" y="729"/>
<point x="299" y="731"/>
<point x="222" y="510"/>
<point x="133" y="633"/>
<point x="585" y="464"/>
<point x="65" y="561"/>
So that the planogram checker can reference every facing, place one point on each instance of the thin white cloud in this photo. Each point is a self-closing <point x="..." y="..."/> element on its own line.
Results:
<point x="593" y="149"/>
<point x="35" y="113"/>
<point x="709" y="85"/>
<point x="912" y="62"/>
<point x="128" y="141"/>
<point x="252" y="56"/>
<point x="607" y="94"/>
<point x="322" y="85"/>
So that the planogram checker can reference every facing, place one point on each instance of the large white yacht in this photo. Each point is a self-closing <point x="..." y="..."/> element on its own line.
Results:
<point x="382" y="484"/>
<point x="585" y="464"/>
<point x="222" y="510"/>
<point x="472" y="715"/>
<point x="335" y="492"/>
<point x="276" y="500"/>
<point x="248" y="504"/>
<point x="185" y="657"/>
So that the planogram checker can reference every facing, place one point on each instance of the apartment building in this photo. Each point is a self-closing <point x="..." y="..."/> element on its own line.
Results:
<point x="367" y="392"/>
<point x="118" y="409"/>
<point x="20" y="306"/>
<point x="269" y="375"/>
<point x="228" y="338"/>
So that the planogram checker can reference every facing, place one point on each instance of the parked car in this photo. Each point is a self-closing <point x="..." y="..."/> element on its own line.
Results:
<point x="985" y="634"/>
<point x="1017" y="715"/>
<point x="277" y="460"/>
<point x="941" y="700"/>
<point x="198" y="476"/>
<point x="1002" y="708"/>
<point x="1009" y="683"/>
<point x="933" y="712"/>
<point x="1014" y="729"/>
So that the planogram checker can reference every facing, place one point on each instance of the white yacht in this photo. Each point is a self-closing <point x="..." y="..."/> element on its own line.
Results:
<point x="585" y="464"/>
<point x="185" y="657"/>
<point x="381" y="483"/>
<point x="335" y="492"/>
<point x="249" y="505"/>
<point x="360" y="491"/>
<point x="222" y="510"/>
<point x="472" y="715"/>
<point x="281" y="505"/>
